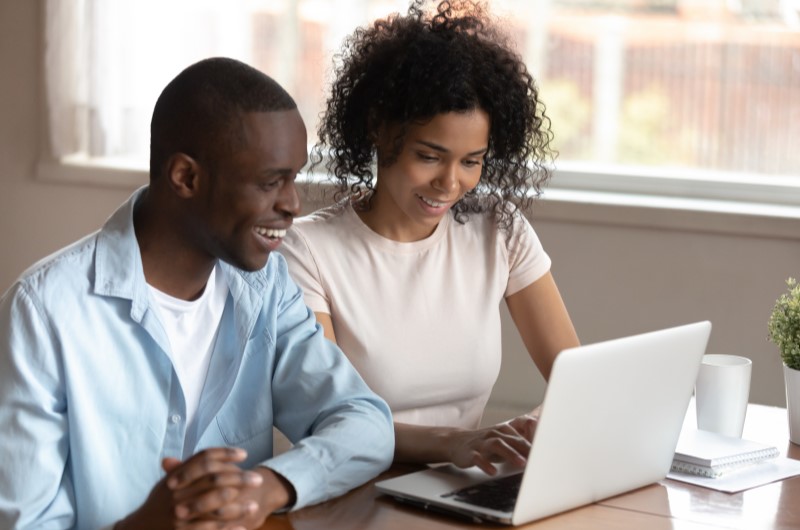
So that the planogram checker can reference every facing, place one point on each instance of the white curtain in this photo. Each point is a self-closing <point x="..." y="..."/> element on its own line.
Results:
<point x="107" y="61"/>
<point x="66" y="48"/>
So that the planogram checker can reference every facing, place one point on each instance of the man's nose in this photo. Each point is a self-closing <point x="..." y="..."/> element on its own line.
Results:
<point x="288" y="200"/>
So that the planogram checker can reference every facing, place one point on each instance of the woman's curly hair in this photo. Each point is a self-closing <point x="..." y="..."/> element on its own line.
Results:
<point x="406" y="69"/>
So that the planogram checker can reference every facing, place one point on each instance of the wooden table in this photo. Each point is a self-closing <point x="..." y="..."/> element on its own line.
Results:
<point x="775" y="505"/>
<point x="664" y="505"/>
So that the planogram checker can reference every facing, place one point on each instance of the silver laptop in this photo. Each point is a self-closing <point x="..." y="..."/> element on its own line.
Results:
<point x="609" y="423"/>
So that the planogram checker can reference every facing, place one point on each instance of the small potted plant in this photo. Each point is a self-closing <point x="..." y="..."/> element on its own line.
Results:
<point x="784" y="331"/>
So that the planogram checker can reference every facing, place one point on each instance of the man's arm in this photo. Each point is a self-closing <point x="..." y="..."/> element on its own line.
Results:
<point x="342" y="431"/>
<point x="35" y="487"/>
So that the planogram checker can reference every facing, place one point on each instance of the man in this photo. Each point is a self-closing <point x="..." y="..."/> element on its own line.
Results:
<point x="173" y="340"/>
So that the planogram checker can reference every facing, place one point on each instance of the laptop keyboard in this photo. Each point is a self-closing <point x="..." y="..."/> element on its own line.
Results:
<point x="498" y="494"/>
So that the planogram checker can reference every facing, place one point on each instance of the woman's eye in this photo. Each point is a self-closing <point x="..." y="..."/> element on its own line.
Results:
<point x="472" y="163"/>
<point x="426" y="158"/>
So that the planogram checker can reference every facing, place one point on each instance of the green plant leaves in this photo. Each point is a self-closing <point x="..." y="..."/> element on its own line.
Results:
<point x="784" y="325"/>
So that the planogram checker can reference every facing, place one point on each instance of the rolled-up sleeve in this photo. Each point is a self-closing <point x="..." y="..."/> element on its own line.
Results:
<point x="342" y="432"/>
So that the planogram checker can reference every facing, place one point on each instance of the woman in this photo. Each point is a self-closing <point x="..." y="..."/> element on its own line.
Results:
<point x="407" y="272"/>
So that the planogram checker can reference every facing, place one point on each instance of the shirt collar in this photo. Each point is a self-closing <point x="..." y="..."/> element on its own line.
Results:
<point x="118" y="264"/>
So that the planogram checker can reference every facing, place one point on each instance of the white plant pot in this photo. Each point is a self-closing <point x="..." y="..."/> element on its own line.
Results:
<point x="792" y="380"/>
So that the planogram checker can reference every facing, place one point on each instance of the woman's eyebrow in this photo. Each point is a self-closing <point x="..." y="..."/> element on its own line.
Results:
<point x="442" y="149"/>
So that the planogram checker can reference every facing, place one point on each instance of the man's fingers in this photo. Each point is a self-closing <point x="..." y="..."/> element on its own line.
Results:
<point x="211" y="525"/>
<point x="216" y="504"/>
<point x="232" y="512"/>
<point x="236" y="479"/>
<point x="206" y="462"/>
<point x="168" y="464"/>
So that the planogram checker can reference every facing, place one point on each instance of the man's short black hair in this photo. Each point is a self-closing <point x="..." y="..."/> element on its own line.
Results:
<point x="199" y="112"/>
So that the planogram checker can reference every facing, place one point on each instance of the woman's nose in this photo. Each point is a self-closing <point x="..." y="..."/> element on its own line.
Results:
<point x="447" y="180"/>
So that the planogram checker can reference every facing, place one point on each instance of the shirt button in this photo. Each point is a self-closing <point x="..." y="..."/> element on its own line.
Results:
<point x="175" y="418"/>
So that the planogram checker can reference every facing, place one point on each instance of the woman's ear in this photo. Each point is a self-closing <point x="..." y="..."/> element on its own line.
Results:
<point x="183" y="173"/>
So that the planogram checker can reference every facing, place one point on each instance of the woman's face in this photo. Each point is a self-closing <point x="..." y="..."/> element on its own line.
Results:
<point x="440" y="161"/>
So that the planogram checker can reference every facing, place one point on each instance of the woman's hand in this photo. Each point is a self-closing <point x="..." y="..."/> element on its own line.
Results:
<point x="505" y="442"/>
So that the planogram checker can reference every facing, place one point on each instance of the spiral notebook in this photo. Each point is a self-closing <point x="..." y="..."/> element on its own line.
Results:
<point x="709" y="454"/>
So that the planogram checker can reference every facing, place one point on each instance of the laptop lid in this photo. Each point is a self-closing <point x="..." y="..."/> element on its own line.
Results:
<point x="609" y="423"/>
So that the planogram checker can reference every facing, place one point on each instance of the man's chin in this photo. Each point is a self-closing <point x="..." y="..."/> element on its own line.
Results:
<point x="251" y="265"/>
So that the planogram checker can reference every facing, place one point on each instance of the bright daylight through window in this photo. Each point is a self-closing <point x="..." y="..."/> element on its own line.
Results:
<point x="653" y="88"/>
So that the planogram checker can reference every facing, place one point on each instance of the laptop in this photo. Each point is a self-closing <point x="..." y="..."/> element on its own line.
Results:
<point x="609" y="423"/>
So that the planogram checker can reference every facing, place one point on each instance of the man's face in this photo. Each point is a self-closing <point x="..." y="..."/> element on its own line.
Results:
<point x="250" y="199"/>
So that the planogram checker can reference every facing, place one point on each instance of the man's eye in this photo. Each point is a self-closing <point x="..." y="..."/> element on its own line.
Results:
<point x="271" y="184"/>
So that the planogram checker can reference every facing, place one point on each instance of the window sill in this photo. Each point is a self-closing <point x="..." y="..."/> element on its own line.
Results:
<point x="82" y="173"/>
<point x="557" y="204"/>
<point x="670" y="213"/>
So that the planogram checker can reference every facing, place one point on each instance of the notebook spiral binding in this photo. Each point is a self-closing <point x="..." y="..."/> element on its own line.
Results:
<point x="726" y="465"/>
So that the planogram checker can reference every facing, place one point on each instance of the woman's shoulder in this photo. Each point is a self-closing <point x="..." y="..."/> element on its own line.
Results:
<point x="491" y="221"/>
<point x="326" y="218"/>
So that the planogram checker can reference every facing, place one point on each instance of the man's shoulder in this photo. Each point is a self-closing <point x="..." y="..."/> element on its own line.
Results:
<point x="65" y="263"/>
<point x="58" y="280"/>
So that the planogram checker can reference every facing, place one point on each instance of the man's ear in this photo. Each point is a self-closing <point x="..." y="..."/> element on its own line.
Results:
<point x="183" y="175"/>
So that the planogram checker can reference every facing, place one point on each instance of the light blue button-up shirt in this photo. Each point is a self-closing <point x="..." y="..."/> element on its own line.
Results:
<point x="90" y="402"/>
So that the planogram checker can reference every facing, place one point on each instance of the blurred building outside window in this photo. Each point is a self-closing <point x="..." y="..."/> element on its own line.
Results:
<point x="666" y="90"/>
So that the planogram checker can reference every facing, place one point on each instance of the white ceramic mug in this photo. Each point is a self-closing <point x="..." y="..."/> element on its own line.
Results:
<point x="721" y="393"/>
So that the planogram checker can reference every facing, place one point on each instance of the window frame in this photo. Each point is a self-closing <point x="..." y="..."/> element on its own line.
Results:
<point x="635" y="196"/>
<point x="573" y="196"/>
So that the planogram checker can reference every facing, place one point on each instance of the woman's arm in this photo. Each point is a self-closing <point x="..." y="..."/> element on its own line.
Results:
<point x="508" y="441"/>
<point x="324" y="319"/>
<point x="543" y="322"/>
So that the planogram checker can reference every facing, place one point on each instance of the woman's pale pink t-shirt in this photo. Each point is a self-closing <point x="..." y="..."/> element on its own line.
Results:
<point x="420" y="321"/>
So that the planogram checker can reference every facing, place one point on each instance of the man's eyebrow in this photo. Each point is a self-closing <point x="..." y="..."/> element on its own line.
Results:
<point x="442" y="149"/>
<point x="280" y="171"/>
<point x="275" y="172"/>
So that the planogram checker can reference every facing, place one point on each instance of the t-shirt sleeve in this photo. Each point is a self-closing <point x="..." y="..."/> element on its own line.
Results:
<point x="527" y="259"/>
<point x="304" y="270"/>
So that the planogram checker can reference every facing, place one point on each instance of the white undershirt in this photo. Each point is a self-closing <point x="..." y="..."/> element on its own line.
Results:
<point x="191" y="327"/>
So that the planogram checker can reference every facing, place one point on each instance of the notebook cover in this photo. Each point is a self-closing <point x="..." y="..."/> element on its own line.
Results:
<point x="710" y="454"/>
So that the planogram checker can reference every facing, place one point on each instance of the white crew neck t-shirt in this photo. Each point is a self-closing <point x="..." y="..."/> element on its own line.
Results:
<point x="191" y="327"/>
<point x="420" y="321"/>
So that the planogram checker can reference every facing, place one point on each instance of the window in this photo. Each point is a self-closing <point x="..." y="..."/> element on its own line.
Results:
<point x="683" y="97"/>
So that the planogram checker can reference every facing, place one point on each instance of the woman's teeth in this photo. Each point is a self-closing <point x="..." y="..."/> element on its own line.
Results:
<point x="272" y="233"/>
<point x="432" y="203"/>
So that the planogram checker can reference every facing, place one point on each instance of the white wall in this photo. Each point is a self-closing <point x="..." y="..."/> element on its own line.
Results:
<point x="619" y="280"/>
<point x="620" y="270"/>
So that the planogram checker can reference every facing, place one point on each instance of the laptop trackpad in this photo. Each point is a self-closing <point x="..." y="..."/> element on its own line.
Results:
<point x="440" y="480"/>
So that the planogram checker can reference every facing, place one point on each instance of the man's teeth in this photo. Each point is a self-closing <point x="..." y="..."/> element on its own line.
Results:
<point x="432" y="203"/>
<point x="272" y="233"/>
